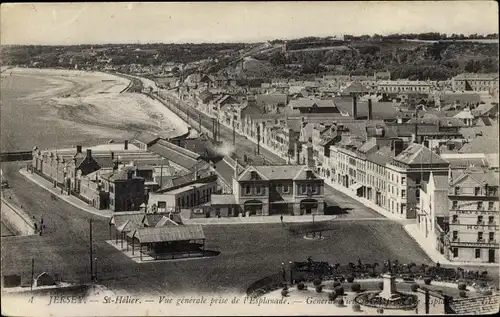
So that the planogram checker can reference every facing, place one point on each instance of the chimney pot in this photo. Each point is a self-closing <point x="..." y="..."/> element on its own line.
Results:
<point x="78" y="149"/>
<point x="370" y="110"/>
<point x="89" y="154"/>
<point x="354" y="107"/>
<point x="126" y="145"/>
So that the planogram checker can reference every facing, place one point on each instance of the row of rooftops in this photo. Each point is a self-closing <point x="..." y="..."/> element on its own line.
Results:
<point x="277" y="172"/>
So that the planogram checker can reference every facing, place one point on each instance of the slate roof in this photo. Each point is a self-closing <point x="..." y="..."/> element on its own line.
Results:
<point x="311" y="102"/>
<point x="419" y="154"/>
<point x="127" y="221"/>
<point x="173" y="155"/>
<point x="356" y="87"/>
<point x="382" y="156"/>
<point x="442" y="121"/>
<point x="119" y="175"/>
<point x="483" y="305"/>
<point x="483" y="144"/>
<point x="161" y="234"/>
<point x="147" y="138"/>
<point x="271" y="99"/>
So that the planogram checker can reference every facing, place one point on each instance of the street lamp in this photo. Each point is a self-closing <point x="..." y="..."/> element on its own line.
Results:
<point x="95" y="267"/>
<point x="283" y="271"/>
<point x="291" y="273"/>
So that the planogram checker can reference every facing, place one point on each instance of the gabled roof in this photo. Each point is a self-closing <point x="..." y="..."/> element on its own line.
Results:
<point x="419" y="154"/>
<point x="382" y="156"/>
<point x="127" y="221"/>
<point x="163" y="234"/>
<point x="311" y="103"/>
<point x="356" y="87"/>
<point x="482" y="177"/>
<point x="246" y="174"/>
<point x="147" y="138"/>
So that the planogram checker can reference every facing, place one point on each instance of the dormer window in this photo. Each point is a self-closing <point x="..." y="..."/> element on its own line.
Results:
<point x="253" y="175"/>
<point x="309" y="175"/>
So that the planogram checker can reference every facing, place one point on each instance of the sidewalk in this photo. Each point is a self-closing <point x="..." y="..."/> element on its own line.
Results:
<point x="365" y="202"/>
<point x="256" y="219"/>
<point x="72" y="200"/>
<point x="427" y="244"/>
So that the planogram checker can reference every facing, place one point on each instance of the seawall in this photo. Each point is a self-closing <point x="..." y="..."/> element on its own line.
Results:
<point x="16" y="220"/>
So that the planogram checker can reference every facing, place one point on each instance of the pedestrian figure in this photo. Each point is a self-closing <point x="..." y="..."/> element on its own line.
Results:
<point x="281" y="218"/>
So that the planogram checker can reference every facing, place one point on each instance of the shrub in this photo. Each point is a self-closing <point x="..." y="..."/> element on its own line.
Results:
<point x="335" y="284"/>
<point x="284" y="293"/>
<point x="285" y="287"/>
<point x="317" y="282"/>
<point x="462" y="294"/>
<point x="332" y="296"/>
<point x="301" y="286"/>
<point x="381" y="285"/>
<point x="414" y="287"/>
<point x="319" y="288"/>
<point x="380" y="310"/>
<point x="427" y="281"/>
<point x="339" y="290"/>
<point x="339" y="302"/>
<point x="355" y="287"/>
<point x="462" y="286"/>
<point x="341" y="279"/>
<point x="350" y="278"/>
<point x="356" y="307"/>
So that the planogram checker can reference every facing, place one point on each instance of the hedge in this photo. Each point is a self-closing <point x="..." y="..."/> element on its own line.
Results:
<point x="350" y="278"/>
<point x="414" y="287"/>
<point x="339" y="290"/>
<point x="355" y="287"/>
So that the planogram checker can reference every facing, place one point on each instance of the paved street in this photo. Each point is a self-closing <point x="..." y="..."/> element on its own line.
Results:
<point x="63" y="248"/>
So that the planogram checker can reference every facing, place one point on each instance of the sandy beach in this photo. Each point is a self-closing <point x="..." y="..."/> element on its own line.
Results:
<point x="76" y="105"/>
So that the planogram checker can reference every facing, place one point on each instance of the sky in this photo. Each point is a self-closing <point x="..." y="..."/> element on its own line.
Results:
<point x="198" y="22"/>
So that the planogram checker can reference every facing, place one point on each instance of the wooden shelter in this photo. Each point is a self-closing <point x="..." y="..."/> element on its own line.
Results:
<point x="180" y="241"/>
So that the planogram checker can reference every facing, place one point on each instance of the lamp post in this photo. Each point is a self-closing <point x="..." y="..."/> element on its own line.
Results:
<point x="95" y="268"/>
<point x="283" y="271"/>
<point x="291" y="273"/>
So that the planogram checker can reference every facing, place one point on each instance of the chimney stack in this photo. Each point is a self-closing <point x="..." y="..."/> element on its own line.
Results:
<point x="78" y="149"/>
<point x="89" y="154"/>
<point x="126" y="145"/>
<point x="397" y="146"/>
<point x="370" y="110"/>
<point x="354" y="107"/>
<point x="112" y="156"/>
<point x="415" y="134"/>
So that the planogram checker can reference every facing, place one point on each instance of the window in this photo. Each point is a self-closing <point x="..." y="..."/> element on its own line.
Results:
<point x="454" y="204"/>
<point x="478" y="253"/>
<point x="477" y="191"/>
<point x="491" y="236"/>
<point x="455" y="235"/>
<point x="286" y="188"/>
<point x="259" y="189"/>
<point x="457" y="190"/>
<point x="253" y="175"/>
<point x="315" y="188"/>
<point x="491" y="219"/>
<point x="303" y="189"/>
<point x="454" y="219"/>
<point x="455" y="252"/>
<point x="490" y="205"/>
<point x="479" y="205"/>
<point x="111" y="188"/>
<point x="162" y="204"/>
<point x="403" y="180"/>
<point x="479" y="219"/>
<point x="480" y="236"/>
<point x="248" y="190"/>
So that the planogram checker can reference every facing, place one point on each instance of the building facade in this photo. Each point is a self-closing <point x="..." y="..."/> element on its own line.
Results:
<point x="473" y="217"/>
